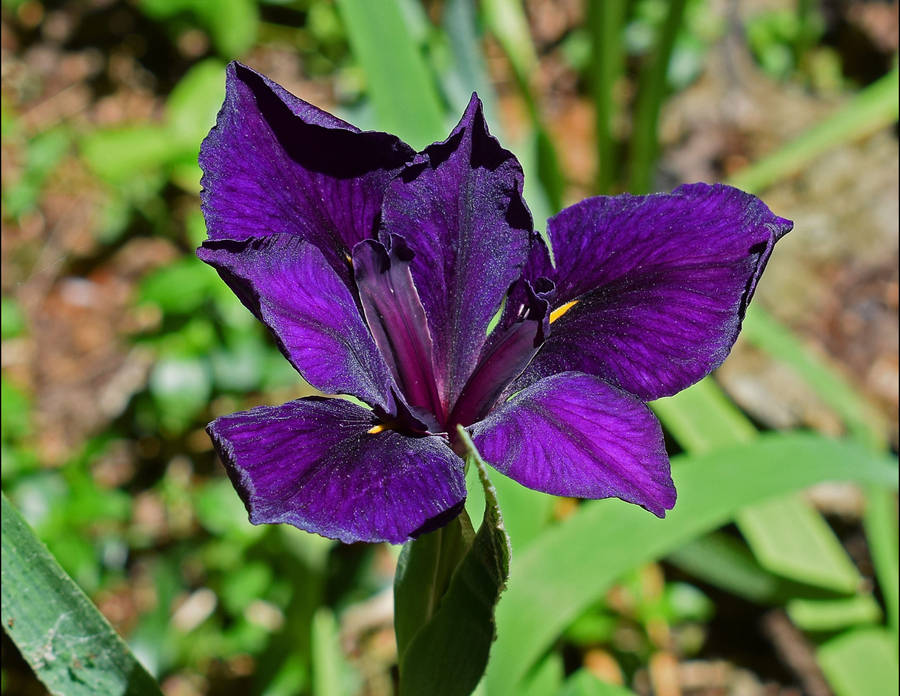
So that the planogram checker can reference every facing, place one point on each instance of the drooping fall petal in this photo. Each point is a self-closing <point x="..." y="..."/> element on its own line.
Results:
<point x="314" y="463"/>
<point x="575" y="435"/>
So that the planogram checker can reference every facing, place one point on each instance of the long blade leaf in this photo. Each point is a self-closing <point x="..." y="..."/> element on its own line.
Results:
<point x="69" y="644"/>
<point x="560" y="574"/>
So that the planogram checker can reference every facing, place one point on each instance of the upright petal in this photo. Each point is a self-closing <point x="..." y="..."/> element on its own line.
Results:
<point x="575" y="435"/>
<point x="275" y="164"/>
<point x="315" y="464"/>
<point x="460" y="209"/>
<point x="651" y="290"/>
<point x="289" y="286"/>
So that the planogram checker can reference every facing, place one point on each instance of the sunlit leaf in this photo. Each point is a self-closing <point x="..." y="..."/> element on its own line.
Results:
<point x="66" y="641"/>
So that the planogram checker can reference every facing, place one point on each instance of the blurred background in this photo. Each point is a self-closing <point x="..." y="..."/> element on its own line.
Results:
<point x="118" y="345"/>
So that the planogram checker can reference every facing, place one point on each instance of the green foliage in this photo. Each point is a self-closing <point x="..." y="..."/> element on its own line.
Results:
<point x="399" y="84"/>
<point x="67" y="642"/>
<point x="566" y="570"/>
<point x="444" y="641"/>
<point x="43" y="153"/>
<point x="861" y="662"/>
<point x="232" y="24"/>
<point x="223" y="589"/>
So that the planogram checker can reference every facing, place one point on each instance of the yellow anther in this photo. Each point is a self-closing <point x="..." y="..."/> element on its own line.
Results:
<point x="559" y="311"/>
<point x="377" y="429"/>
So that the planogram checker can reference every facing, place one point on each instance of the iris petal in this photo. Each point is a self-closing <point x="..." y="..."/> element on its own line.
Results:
<point x="290" y="287"/>
<point x="314" y="464"/>
<point x="276" y="164"/>
<point x="575" y="435"/>
<point x="662" y="284"/>
<point x="460" y="209"/>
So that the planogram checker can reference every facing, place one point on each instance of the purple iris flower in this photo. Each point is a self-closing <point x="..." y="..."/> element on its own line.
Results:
<point x="416" y="283"/>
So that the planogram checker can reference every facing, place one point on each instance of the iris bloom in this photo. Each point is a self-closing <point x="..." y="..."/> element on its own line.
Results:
<point x="416" y="283"/>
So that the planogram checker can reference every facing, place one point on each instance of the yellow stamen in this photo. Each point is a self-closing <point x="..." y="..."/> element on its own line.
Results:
<point x="377" y="429"/>
<point x="559" y="311"/>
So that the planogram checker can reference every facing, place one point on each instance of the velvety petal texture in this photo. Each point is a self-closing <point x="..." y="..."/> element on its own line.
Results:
<point x="416" y="283"/>
<point x="287" y="283"/>
<point x="275" y="164"/>
<point x="575" y="435"/>
<point x="660" y="284"/>
<point x="314" y="463"/>
<point x="459" y="208"/>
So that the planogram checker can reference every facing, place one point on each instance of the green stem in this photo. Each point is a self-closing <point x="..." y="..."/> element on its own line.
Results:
<point x="651" y="91"/>
<point x="605" y="20"/>
<point x="423" y="574"/>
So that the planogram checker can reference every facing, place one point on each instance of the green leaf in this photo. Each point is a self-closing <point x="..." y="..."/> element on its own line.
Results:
<point x="116" y="153"/>
<point x="402" y="90"/>
<point x="652" y="88"/>
<point x="15" y="416"/>
<point x="725" y="562"/>
<point x="447" y="656"/>
<point x="872" y="109"/>
<point x="233" y="25"/>
<point x="861" y="663"/>
<point x="573" y="563"/>
<point x="507" y="21"/>
<point x="12" y="320"/>
<point x="68" y="643"/>
<point x="833" y="614"/>
<point x="468" y="70"/>
<point x="703" y="419"/>
<point x="583" y="683"/>
<point x="179" y="288"/>
<point x="423" y="575"/>
<point x="329" y="669"/>
<point x="192" y="106"/>
<point x="546" y="678"/>
<point x="880" y="522"/>
<point x="789" y="537"/>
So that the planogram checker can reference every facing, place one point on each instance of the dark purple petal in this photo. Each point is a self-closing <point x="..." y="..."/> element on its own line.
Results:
<point x="661" y="283"/>
<point x="315" y="464"/>
<point x="575" y="435"/>
<point x="460" y="209"/>
<point x="275" y="164"/>
<point x="289" y="286"/>
<point x="397" y="319"/>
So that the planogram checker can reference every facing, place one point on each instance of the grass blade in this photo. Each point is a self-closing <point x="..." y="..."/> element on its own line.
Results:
<point x="402" y="90"/>
<point x="880" y="522"/>
<point x="69" y="644"/>
<point x="605" y="22"/>
<point x="872" y="109"/>
<point x="566" y="569"/>
<point x="861" y="663"/>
